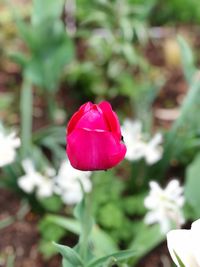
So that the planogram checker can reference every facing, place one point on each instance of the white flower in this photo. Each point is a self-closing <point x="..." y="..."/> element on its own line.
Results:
<point x="165" y="205"/>
<point x="137" y="147"/>
<point x="186" y="245"/>
<point x="35" y="181"/>
<point x="8" y="145"/>
<point x="68" y="183"/>
<point x="153" y="151"/>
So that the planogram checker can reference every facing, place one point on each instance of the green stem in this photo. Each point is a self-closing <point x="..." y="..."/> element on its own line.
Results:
<point x="83" y="214"/>
<point x="26" y="109"/>
<point x="86" y="228"/>
<point x="51" y="106"/>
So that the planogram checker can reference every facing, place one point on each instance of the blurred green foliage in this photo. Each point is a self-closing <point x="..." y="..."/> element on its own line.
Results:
<point x="191" y="186"/>
<point x="50" y="49"/>
<point x="176" y="11"/>
<point x="104" y="58"/>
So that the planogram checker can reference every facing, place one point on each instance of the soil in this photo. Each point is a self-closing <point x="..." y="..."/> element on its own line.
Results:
<point x="159" y="257"/>
<point x="21" y="237"/>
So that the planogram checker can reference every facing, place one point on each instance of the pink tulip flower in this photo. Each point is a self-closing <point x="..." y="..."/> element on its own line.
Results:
<point x="94" y="140"/>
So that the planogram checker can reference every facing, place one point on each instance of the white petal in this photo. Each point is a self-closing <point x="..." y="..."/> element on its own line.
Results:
<point x="173" y="188"/>
<point x="153" y="154"/>
<point x="28" y="166"/>
<point x="180" y="242"/>
<point x="50" y="172"/>
<point x="131" y="132"/>
<point x="165" y="225"/>
<point x="72" y="197"/>
<point x="26" y="184"/>
<point x="165" y="207"/>
<point x="154" y="150"/>
<point x="156" y="140"/>
<point x="45" y="189"/>
<point x="7" y="156"/>
<point x="151" y="202"/>
<point x="68" y="183"/>
<point x="155" y="187"/>
<point x="195" y="236"/>
<point x="151" y="217"/>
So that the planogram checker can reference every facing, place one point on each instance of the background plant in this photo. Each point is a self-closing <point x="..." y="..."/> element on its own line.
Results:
<point x="102" y="58"/>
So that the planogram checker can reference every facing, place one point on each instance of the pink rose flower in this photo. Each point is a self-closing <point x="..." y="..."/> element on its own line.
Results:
<point x="94" y="140"/>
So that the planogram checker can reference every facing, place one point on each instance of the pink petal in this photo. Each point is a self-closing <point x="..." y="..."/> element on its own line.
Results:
<point x="77" y="115"/>
<point x="111" y="118"/>
<point x="93" y="119"/>
<point x="94" y="150"/>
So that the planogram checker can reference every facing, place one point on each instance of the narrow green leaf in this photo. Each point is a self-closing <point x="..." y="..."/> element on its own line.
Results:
<point x="192" y="185"/>
<point x="65" y="263"/>
<point x="102" y="242"/>
<point x="26" y="107"/>
<point x="148" y="237"/>
<point x="86" y="220"/>
<point x="179" y="260"/>
<point x="115" y="257"/>
<point x="46" y="9"/>
<point x="187" y="59"/>
<point x="185" y="127"/>
<point x="67" y="223"/>
<point x="70" y="255"/>
<point x="10" y="260"/>
<point x="6" y="222"/>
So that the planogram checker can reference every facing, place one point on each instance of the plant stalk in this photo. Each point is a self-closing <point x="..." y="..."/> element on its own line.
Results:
<point x="26" y="110"/>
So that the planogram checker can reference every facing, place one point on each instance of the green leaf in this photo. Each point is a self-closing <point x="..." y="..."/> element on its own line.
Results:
<point x="49" y="46"/>
<point x="52" y="203"/>
<point x="134" y="204"/>
<point x="26" y="117"/>
<point x="179" y="260"/>
<point x="10" y="260"/>
<point x="185" y="128"/>
<point x="50" y="231"/>
<point x="69" y="224"/>
<point x="101" y="241"/>
<point x="83" y="214"/>
<point x="45" y="9"/>
<point x="6" y="101"/>
<point x="70" y="255"/>
<point x="6" y="222"/>
<point x="114" y="221"/>
<point x="187" y="59"/>
<point x="19" y="58"/>
<point x="65" y="263"/>
<point x="26" y="32"/>
<point x="148" y="237"/>
<point x="118" y="256"/>
<point x="192" y="185"/>
<point x="47" y="249"/>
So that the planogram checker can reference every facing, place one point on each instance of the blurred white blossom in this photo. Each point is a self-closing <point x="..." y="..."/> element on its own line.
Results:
<point x="68" y="183"/>
<point x="137" y="147"/>
<point x="8" y="145"/>
<point x="165" y="205"/>
<point x="186" y="245"/>
<point x="42" y="184"/>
